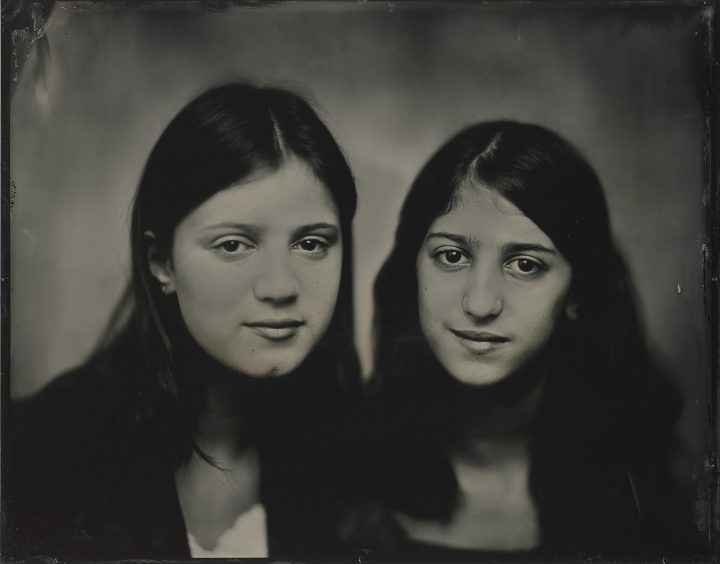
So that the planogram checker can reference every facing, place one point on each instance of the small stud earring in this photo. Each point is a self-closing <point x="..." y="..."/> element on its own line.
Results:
<point x="572" y="312"/>
<point x="164" y="289"/>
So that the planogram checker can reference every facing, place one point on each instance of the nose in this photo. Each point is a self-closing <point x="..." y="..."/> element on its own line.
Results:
<point x="276" y="282"/>
<point x="482" y="298"/>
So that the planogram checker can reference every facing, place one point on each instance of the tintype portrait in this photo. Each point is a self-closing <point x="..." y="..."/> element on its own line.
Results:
<point x="359" y="281"/>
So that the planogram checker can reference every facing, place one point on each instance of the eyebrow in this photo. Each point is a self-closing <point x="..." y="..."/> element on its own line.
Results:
<point x="252" y="229"/>
<point x="256" y="230"/>
<point x="459" y="239"/>
<point x="331" y="230"/>
<point x="507" y="248"/>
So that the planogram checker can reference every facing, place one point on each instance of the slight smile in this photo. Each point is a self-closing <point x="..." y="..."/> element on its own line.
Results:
<point x="479" y="342"/>
<point x="275" y="329"/>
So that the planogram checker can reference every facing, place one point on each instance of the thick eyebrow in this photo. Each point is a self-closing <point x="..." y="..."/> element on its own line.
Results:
<point x="511" y="248"/>
<point x="459" y="239"/>
<point x="331" y="231"/>
<point x="507" y="248"/>
<point x="246" y="227"/>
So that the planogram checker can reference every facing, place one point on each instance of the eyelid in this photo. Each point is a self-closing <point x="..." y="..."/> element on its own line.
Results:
<point x="539" y="265"/>
<point x="449" y="247"/>
<point x="245" y="246"/>
<point x="530" y="258"/>
<point x="437" y="253"/>
<point x="244" y="239"/>
<point x="313" y="237"/>
<point x="326" y="235"/>
<point x="322" y="247"/>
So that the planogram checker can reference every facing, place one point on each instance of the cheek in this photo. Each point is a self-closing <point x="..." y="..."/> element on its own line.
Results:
<point x="439" y="295"/>
<point x="209" y="284"/>
<point x="439" y="289"/>
<point x="320" y="283"/>
<point x="539" y="311"/>
<point x="427" y="295"/>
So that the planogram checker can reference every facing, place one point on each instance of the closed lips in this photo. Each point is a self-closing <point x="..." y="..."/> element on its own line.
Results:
<point x="276" y="330"/>
<point x="481" y="337"/>
<point x="276" y="323"/>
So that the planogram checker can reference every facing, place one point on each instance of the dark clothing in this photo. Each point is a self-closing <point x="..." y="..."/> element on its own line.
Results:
<point x="413" y="551"/>
<point x="589" y="507"/>
<point x="596" y="517"/>
<point x="83" y="482"/>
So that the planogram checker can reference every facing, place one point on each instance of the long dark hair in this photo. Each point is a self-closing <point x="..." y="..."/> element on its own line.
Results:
<point x="220" y="138"/>
<point x="606" y="414"/>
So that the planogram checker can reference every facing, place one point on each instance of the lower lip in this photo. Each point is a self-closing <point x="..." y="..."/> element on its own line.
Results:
<point x="480" y="347"/>
<point x="278" y="334"/>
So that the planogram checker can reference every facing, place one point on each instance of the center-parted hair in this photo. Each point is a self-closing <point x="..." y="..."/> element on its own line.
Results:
<point x="606" y="414"/>
<point x="224" y="136"/>
<point x="98" y="448"/>
<point x="546" y="178"/>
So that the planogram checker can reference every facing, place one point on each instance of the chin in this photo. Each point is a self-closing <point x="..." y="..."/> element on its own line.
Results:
<point x="273" y="369"/>
<point x="476" y="376"/>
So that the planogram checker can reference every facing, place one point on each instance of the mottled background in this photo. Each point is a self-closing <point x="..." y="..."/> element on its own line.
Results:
<point x="393" y="81"/>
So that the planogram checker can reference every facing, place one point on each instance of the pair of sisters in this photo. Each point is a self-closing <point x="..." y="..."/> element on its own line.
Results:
<point x="515" y="410"/>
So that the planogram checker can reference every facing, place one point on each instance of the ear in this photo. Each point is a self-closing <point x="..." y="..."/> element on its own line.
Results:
<point x="160" y="265"/>
<point x="572" y="310"/>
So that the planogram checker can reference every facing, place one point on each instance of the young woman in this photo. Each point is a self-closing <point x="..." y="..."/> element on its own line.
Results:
<point x="205" y="423"/>
<point x="518" y="410"/>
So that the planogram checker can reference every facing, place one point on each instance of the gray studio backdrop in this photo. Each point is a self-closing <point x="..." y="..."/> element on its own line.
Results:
<point x="392" y="81"/>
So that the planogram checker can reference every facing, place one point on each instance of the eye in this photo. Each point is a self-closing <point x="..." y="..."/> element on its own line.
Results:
<point x="312" y="247"/>
<point x="525" y="267"/>
<point x="451" y="258"/>
<point x="232" y="246"/>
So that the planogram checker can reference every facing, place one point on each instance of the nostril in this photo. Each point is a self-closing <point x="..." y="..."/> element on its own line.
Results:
<point x="276" y="295"/>
<point x="277" y="287"/>
<point x="285" y="300"/>
<point x="482" y="307"/>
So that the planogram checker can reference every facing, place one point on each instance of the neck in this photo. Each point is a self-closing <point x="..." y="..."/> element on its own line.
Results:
<point x="223" y="427"/>
<point x="497" y="436"/>
<point x="500" y="414"/>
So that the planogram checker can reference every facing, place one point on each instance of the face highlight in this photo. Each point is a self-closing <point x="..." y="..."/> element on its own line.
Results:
<point x="256" y="270"/>
<point x="491" y="286"/>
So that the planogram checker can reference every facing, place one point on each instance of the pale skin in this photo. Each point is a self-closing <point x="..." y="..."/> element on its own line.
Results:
<point x="492" y="287"/>
<point x="212" y="498"/>
<point x="256" y="271"/>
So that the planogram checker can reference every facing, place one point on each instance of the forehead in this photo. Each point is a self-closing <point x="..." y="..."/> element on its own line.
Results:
<point x="291" y="194"/>
<point x="482" y="213"/>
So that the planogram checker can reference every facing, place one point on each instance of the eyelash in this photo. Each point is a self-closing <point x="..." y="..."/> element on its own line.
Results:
<point x="220" y="246"/>
<point x="538" y="266"/>
<point x="441" y="258"/>
<point x="324" y="247"/>
<point x="242" y="247"/>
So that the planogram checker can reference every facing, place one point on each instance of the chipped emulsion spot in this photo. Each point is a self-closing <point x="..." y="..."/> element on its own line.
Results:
<point x="26" y="37"/>
<point x="12" y="194"/>
<point x="705" y="250"/>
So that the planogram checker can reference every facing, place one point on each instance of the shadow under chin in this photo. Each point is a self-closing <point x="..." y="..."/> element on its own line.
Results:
<point x="504" y="407"/>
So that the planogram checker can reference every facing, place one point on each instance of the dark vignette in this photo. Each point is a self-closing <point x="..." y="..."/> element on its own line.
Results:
<point x="712" y="268"/>
<point x="23" y="26"/>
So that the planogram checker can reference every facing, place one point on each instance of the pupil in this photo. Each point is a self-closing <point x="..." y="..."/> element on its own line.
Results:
<point x="231" y="245"/>
<point x="453" y="256"/>
<point x="526" y="265"/>
<point x="308" y="245"/>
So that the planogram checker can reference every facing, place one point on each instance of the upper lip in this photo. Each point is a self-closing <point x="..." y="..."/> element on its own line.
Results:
<point x="275" y="323"/>
<point x="479" y="336"/>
